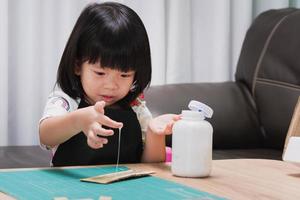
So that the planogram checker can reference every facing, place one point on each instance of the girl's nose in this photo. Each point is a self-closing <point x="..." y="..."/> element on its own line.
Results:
<point x="111" y="83"/>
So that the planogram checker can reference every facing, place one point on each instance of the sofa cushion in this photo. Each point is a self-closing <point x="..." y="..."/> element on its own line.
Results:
<point x="234" y="120"/>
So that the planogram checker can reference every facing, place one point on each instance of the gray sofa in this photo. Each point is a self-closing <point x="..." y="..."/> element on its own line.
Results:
<point x="251" y="114"/>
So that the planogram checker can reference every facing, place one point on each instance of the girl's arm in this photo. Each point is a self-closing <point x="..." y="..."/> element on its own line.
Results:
<point x="155" y="148"/>
<point x="56" y="130"/>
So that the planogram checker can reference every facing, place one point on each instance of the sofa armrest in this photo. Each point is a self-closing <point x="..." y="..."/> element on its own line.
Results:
<point x="234" y="121"/>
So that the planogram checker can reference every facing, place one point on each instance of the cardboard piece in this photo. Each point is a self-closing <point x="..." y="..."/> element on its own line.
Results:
<point x="294" y="128"/>
<point x="292" y="151"/>
<point x="117" y="176"/>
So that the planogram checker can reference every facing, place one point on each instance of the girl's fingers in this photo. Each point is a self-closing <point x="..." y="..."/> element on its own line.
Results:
<point x="93" y="144"/>
<point x="100" y="140"/>
<point x="176" y="117"/>
<point x="98" y="130"/>
<point x="168" y="129"/>
<point x="163" y="124"/>
<point x="104" y="120"/>
<point x="97" y="139"/>
<point x="99" y="106"/>
<point x="94" y="141"/>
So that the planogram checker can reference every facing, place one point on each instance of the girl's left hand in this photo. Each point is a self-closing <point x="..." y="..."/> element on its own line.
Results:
<point x="163" y="124"/>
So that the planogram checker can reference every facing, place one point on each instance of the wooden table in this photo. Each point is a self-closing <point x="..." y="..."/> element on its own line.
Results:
<point x="237" y="179"/>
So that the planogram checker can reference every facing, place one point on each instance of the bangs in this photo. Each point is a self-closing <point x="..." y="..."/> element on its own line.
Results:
<point x="118" y="51"/>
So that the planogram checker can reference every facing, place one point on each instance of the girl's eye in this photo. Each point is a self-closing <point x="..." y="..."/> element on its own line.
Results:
<point x="100" y="73"/>
<point x="126" y="75"/>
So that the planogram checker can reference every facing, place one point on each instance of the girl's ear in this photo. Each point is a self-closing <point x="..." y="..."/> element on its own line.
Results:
<point x="77" y="70"/>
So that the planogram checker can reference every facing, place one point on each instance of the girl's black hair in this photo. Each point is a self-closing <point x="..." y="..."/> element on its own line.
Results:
<point x="112" y="34"/>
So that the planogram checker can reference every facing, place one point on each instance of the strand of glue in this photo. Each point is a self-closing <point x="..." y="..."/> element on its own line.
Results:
<point x="119" y="146"/>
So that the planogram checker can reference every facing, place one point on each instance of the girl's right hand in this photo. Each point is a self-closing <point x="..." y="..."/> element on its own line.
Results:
<point x="91" y="121"/>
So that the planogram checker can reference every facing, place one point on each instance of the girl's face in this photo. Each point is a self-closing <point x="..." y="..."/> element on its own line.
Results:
<point x="104" y="84"/>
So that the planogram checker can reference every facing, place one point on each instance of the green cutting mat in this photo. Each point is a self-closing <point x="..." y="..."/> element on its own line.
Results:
<point x="50" y="183"/>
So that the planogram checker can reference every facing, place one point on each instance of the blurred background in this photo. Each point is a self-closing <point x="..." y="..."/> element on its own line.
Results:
<point x="191" y="41"/>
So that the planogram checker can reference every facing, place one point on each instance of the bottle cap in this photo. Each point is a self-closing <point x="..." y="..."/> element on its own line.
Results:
<point x="201" y="107"/>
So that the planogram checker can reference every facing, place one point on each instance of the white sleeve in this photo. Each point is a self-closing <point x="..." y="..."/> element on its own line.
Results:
<point x="144" y="116"/>
<point x="59" y="103"/>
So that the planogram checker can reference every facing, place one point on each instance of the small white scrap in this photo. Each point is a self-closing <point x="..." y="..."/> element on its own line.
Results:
<point x="105" y="198"/>
<point x="60" y="198"/>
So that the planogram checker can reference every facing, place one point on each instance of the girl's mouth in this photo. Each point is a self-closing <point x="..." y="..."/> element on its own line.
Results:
<point x="107" y="98"/>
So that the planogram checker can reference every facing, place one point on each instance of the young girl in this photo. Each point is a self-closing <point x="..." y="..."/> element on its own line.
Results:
<point x="103" y="72"/>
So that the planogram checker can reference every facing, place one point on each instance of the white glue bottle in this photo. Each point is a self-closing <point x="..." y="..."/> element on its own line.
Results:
<point x="192" y="142"/>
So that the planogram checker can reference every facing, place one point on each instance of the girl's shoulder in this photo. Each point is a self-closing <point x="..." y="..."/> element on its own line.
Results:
<point x="63" y="100"/>
<point x="59" y="103"/>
